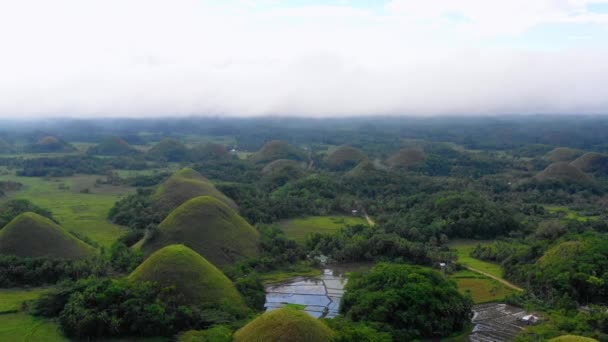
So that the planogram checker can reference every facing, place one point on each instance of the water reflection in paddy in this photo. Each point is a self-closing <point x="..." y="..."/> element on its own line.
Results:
<point x="320" y="295"/>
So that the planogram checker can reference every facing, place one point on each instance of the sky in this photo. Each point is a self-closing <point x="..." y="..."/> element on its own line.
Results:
<point x="144" y="58"/>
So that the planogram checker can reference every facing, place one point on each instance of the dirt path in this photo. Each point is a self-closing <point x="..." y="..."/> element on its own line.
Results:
<point x="369" y="220"/>
<point x="504" y="282"/>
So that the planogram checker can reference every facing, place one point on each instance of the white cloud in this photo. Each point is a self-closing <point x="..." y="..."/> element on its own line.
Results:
<point x="154" y="57"/>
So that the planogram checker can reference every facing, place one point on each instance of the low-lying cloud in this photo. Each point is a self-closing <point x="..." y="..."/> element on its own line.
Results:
<point x="158" y="58"/>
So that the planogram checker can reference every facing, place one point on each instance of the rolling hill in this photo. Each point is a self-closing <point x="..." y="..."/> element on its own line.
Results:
<point x="344" y="158"/>
<point x="281" y="165"/>
<point x="563" y="154"/>
<point x="592" y="162"/>
<point x="195" y="279"/>
<point x="184" y="185"/>
<point x="50" y="144"/>
<point x="32" y="235"/>
<point x="406" y="158"/>
<point x="113" y="146"/>
<point x="277" y="149"/>
<point x="210" y="151"/>
<point x="209" y="227"/>
<point x="563" y="171"/>
<point x="285" y="324"/>
<point x="170" y="150"/>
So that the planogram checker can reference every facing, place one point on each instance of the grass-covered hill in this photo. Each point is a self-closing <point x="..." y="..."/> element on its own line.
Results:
<point x="406" y="158"/>
<point x="282" y="165"/>
<point x="210" y="151"/>
<point x="563" y="171"/>
<point x="32" y="235"/>
<point x="113" y="146"/>
<point x="184" y="185"/>
<point x="563" y="154"/>
<point x="209" y="227"/>
<point x="282" y="325"/>
<point x="170" y="150"/>
<point x="277" y="149"/>
<point x="50" y="144"/>
<point x="592" y="162"/>
<point x="195" y="279"/>
<point x="363" y="169"/>
<point x="344" y="157"/>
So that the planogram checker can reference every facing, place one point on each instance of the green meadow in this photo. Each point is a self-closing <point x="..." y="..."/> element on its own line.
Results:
<point x="11" y="300"/>
<point x="482" y="288"/>
<point x="77" y="203"/>
<point x="569" y="214"/>
<point x="298" y="229"/>
<point x="21" y="327"/>
<point x="463" y="250"/>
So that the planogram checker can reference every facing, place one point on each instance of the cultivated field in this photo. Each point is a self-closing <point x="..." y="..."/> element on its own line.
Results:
<point x="298" y="229"/>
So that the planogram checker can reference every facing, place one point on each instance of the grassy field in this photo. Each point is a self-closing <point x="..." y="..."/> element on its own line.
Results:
<point x="23" y="327"/>
<point x="11" y="299"/>
<point x="82" y="213"/>
<point x="298" y="229"/>
<point x="483" y="289"/>
<point x="464" y="247"/>
<point x="568" y="214"/>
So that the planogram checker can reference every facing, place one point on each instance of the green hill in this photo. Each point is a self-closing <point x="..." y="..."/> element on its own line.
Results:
<point x="363" y="169"/>
<point x="209" y="227"/>
<point x="184" y="185"/>
<point x="572" y="338"/>
<point x="210" y="151"/>
<point x="285" y="324"/>
<point x="32" y="235"/>
<point x="344" y="158"/>
<point x="170" y="150"/>
<point x="592" y="162"/>
<point x="113" y="146"/>
<point x="563" y="171"/>
<point x="277" y="149"/>
<point x="50" y="144"/>
<point x="563" y="154"/>
<point x="195" y="279"/>
<point x="282" y="165"/>
<point x="406" y="158"/>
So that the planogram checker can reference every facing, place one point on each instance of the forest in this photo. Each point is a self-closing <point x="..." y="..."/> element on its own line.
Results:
<point x="174" y="229"/>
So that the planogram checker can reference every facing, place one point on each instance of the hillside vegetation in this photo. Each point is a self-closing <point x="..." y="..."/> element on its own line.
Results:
<point x="32" y="235"/>
<point x="195" y="279"/>
<point x="113" y="146"/>
<point x="344" y="158"/>
<point x="210" y="228"/>
<point x="184" y="185"/>
<point x="282" y="325"/>
<point x="561" y="154"/>
<point x="277" y="149"/>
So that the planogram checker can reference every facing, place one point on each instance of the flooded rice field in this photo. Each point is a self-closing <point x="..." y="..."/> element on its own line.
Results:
<point x="319" y="295"/>
<point x="495" y="322"/>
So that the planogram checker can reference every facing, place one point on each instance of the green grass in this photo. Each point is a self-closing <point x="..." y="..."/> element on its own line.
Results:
<point x="483" y="289"/>
<point x="291" y="324"/>
<point x="569" y="214"/>
<point x="32" y="235"/>
<point x="298" y="229"/>
<point x="185" y="185"/>
<point x="210" y="228"/>
<point x="12" y="299"/>
<point x="463" y="249"/>
<point x="279" y="276"/>
<point x="21" y="327"/>
<point x="195" y="278"/>
<point x="84" y="214"/>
